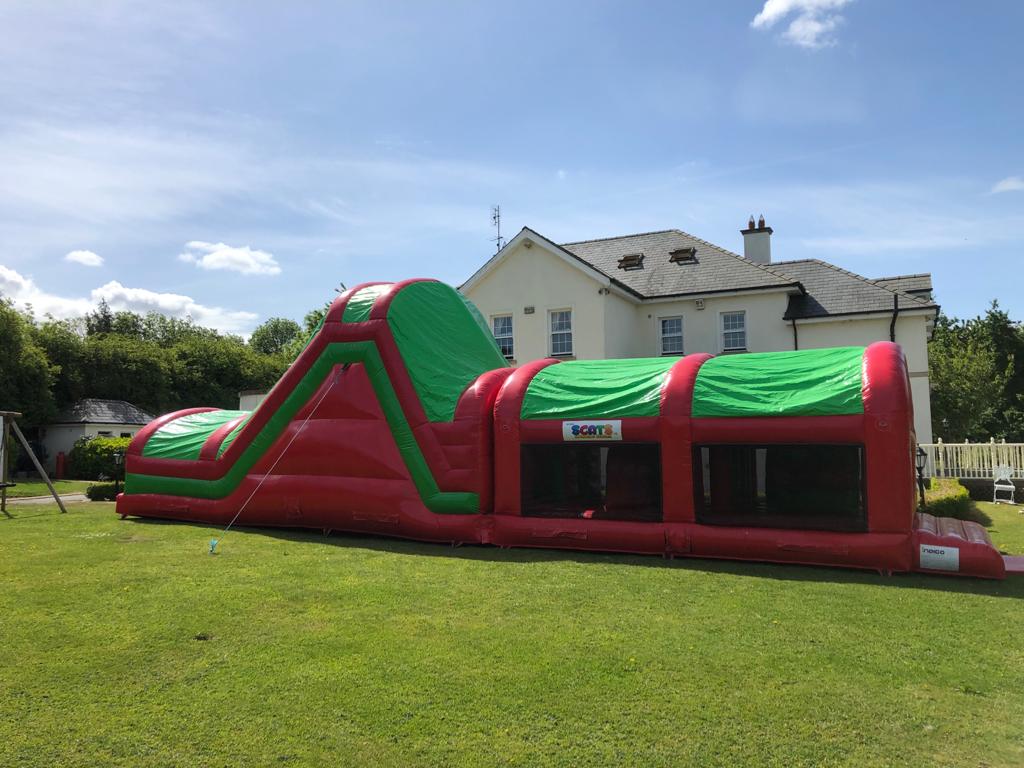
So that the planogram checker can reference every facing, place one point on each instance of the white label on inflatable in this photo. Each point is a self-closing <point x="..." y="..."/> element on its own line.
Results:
<point x="939" y="558"/>
<point x="592" y="430"/>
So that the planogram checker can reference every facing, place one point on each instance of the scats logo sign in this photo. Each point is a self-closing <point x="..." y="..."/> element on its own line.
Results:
<point x="592" y="430"/>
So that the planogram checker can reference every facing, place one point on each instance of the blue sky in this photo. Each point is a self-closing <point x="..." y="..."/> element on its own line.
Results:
<point x="235" y="161"/>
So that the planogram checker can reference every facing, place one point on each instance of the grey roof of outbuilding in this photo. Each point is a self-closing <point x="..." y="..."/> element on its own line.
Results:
<point x="831" y="291"/>
<point x="95" y="411"/>
<point x="714" y="270"/>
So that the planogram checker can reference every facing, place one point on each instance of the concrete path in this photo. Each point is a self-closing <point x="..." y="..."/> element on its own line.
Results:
<point x="68" y="498"/>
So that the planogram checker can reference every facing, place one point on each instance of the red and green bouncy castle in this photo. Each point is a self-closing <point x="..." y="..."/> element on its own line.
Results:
<point x="401" y="417"/>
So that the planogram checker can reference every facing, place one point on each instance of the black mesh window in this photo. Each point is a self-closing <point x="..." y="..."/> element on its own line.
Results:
<point x="818" y="487"/>
<point x="617" y="482"/>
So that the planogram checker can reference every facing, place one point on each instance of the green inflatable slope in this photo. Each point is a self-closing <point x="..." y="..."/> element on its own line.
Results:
<point x="445" y="345"/>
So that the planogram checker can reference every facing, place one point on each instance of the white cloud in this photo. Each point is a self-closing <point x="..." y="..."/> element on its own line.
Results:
<point x="235" y="259"/>
<point x="23" y="290"/>
<point x="1009" y="184"/>
<point x="813" y="23"/>
<point x="85" y="258"/>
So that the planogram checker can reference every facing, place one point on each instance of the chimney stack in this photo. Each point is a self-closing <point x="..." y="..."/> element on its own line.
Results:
<point x="757" y="241"/>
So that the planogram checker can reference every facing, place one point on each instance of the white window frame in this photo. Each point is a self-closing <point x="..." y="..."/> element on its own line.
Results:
<point x="551" y="333"/>
<point x="662" y="336"/>
<point x="722" y="330"/>
<point x="512" y="332"/>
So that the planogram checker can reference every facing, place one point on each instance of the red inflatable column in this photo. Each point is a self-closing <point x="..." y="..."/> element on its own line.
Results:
<point x="676" y="448"/>
<point x="507" y="408"/>
<point x="888" y="439"/>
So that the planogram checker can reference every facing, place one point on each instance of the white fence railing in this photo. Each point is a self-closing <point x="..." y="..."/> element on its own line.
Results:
<point x="972" y="460"/>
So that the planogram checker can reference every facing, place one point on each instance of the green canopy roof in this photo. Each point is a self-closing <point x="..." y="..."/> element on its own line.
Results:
<point x="812" y="382"/>
<point x="183" y="438"/>
<point x="609" y="389"/>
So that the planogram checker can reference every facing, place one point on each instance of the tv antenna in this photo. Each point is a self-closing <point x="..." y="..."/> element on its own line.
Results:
<point x="496" y="223"/>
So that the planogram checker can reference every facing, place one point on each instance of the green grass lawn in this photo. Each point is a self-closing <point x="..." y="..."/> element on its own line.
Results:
<point x="38" y="488"/>
<point x="1005" y="525"/>
<point x="125" y="643"/>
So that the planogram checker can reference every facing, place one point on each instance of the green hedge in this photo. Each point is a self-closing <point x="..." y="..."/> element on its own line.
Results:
<point x="101" y="492"/>
<point x="93" y="458"/>
<point x="947" y="498"/>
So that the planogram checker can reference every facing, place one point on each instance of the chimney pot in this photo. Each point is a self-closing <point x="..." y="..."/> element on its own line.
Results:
<point x="760" y="222"/>
<point x="750" y="223"/>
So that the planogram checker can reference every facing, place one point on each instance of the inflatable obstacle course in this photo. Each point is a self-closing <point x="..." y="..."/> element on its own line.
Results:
<point x="401" y="417"/>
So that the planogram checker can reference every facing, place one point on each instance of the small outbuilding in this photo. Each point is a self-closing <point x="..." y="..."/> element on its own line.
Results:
<point x="90" y="417"/>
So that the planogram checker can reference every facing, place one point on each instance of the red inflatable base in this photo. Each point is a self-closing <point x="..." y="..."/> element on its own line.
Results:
<point x="936" y="545"/>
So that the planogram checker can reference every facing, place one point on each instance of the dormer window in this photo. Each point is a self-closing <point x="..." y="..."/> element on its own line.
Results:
<point x="683" y="255"/>
<point x="632" y="261"/>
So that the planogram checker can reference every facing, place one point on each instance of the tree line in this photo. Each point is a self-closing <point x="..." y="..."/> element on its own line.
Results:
<point x="156" y="362"/>
<point x="976" y="369"/>
<point x="161" y="363"/>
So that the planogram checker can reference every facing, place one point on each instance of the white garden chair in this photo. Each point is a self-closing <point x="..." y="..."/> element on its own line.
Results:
<point x="1002" y="483"/>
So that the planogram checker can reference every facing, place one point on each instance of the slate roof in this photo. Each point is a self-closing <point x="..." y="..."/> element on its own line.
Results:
<point x="831" y="290"/>
<point x="95" y="411"/>
<point x="816" y="288"/>
<point x="916" y="285"/>
<point x="714" y="269"/>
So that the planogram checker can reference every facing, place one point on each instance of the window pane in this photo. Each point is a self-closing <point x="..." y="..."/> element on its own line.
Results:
<point x="671" y="335"/>
<point x="817" y="487"/>
<point x="734" y="333"/>
<point x="561" y="332"/>
<point x="620" y="482"/>
<point x="502" y="325"/>
<point x="735" y="340"/>
<point x="672" y="346"/>
<point x="561" y="321"/>
<point x="733" y="320"/>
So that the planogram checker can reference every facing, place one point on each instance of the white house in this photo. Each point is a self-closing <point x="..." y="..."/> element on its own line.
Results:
<point x="670" y="293"/>
<point x="90" y="418"/>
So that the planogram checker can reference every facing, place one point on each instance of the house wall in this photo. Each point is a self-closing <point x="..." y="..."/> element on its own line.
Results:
<point x="702" y="328"/>
<point x="61" y="438"/>
<point x="534" y="277"/>
<point x="248" y="401"/>
<point x="607" y="325"/>
<point x="623" y="326"/>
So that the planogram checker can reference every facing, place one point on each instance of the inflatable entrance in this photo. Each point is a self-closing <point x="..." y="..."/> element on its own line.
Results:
<point x="401" y="417"/>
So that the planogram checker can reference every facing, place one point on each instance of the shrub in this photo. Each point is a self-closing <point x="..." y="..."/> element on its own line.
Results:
<point x="93" y="458"/>
<point x="947" y="498"/>
<point x="101" y="492"/>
